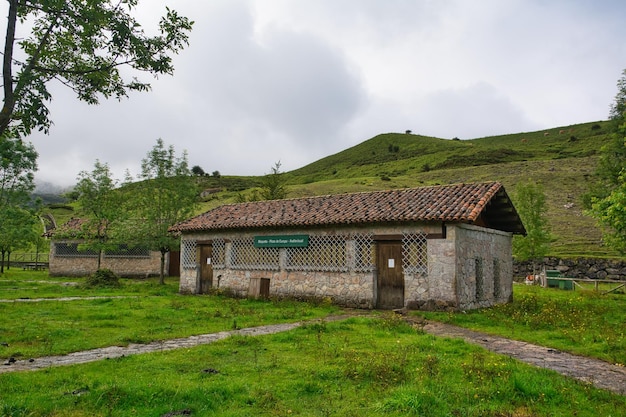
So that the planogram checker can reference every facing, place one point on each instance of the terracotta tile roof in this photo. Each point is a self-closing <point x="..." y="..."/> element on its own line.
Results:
<point x="450" y="203"/>
<point x="72" y="228"/>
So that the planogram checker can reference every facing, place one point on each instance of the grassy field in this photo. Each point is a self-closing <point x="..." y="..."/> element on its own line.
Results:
<point x="374" y="365"/>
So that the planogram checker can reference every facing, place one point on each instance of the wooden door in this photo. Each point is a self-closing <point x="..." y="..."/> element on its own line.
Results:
<point x="206" y="268"/>
<point x="390" y="278"/>
<point x="174" y="264"/>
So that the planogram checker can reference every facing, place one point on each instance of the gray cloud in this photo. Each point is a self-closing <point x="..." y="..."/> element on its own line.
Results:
<point x="296" y="81"/>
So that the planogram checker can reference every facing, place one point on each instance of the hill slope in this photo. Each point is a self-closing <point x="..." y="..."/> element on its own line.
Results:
<point x="563" y="159"/>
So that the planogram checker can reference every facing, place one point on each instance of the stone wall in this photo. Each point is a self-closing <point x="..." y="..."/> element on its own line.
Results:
<point x="80" y="266"/>
<point x="346" y="288"/>
<point x="581" y="268"/>
<point x="484" y="267"/>
<point x="448" y="284"/>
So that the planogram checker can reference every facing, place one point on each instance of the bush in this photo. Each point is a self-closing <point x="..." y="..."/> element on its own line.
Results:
<point x="103" y="278"/>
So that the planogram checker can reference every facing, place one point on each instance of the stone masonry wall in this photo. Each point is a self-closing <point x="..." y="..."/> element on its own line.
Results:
<point x="435" y="290"/>
<point x="350" y="288"/>
<point x="484" y="267"/>
<point x="605" y="269"/>
<point x="346" y="288"/>
<point x="125" y="267"/>
<point x="438" y="288"/>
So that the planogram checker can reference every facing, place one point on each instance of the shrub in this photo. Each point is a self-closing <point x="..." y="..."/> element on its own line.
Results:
<point x="103" y="278"/>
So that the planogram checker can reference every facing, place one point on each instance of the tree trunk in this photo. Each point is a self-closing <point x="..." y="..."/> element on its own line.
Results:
<point x="100" y="255"/>
<point x="7" y="65"/>
<point x="162" y="274"/>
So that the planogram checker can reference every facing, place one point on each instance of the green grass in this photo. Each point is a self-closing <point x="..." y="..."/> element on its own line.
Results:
<point x="145" y="311"/>
<point x="376" y="365"/>
<point x="357" y="367"/>
<point x="583" y="322"/>
<point x="15" y="284"/>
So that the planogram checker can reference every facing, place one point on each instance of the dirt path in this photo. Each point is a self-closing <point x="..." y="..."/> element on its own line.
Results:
<point x="593" y="371"/>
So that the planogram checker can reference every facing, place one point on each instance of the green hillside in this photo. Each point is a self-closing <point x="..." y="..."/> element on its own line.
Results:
<point x="396" y="154"/>
<point x="563" y="159"/>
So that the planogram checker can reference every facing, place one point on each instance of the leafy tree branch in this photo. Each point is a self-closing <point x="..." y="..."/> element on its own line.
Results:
<point x="82" y="45"/>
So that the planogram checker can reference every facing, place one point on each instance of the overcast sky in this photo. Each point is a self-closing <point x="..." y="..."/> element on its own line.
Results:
<point x="296" y="80"/>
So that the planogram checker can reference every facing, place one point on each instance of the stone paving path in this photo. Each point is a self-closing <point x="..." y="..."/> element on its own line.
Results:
<point x="38" y="300"/>
<point x="599" y="373"/>
<point x="594" y="371"/>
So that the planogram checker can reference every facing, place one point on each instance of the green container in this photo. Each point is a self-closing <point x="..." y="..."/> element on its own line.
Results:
<point x="562" y="284"/>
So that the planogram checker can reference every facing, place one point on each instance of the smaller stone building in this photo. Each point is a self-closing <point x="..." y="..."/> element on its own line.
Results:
<point x="439" y="247"/>
<point x="67" y="258"/>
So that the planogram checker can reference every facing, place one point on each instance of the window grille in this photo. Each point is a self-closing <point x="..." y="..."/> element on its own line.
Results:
<point x="219" y="253"/>
<point x="70" y="250"/>
<point x="414" y="254"/>
<point x="123" y="251"/>
<point x="188" y="253"/>
<point x="245" y="256"/>
<point x="364" y="254"/>
<point x="324" y="253"/>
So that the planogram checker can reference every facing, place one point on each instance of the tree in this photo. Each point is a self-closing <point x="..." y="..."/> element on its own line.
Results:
<point x="618" y="108"/>
<point x="607" y="202"/>
<point x="197" y="170"/>
<point x="610" y="210"/>
<point x="273" y="184"/>
<point x="612" y="156"/>
<point x="83" y="45"/>
<point x="530" y="202"/>
<point x="102" y="206"/>
<point x="165" y="195"/>
<point x="18" y="162"/>
<point x="17" y="231"/>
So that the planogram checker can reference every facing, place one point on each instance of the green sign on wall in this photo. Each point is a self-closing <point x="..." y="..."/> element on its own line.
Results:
<point x="283" y="241"/>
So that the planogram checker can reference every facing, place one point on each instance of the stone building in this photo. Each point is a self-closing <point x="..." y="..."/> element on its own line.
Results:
<point x="438" y="247"/>
<point x="67" y="258"/>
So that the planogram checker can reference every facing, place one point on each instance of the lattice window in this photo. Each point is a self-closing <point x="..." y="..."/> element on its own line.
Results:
<point x="324" y="253"/>
<point x="70" y="250"/>
<point x="245" y="256"/>
<point x="414" y="255"/>
<point x="188" y="253"/>
<point x="364" y="254"/>
<point x="219" y="253"/>
<point x="123" y="251"/>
